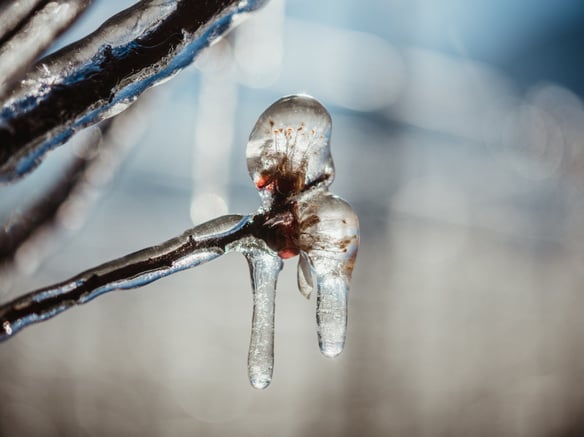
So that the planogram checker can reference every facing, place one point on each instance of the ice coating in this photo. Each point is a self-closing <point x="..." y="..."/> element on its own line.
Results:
<point x="102" y="74"/>
<point x="13" y="13"/>
<point x="298" y="216"/>
<point x="35" y="36"/>
<point x="290" y="162"/>
<point x="288" y="149"/>
<point x="264" y="266"/>
<point x="305" y="275"/>
<point x="330" y="237"/>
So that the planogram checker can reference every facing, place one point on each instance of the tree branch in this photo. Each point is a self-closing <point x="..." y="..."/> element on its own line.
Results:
<point x="102" y="74"/>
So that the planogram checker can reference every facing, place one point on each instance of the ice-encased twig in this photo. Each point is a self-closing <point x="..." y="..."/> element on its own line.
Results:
<point x="38" y="33"/>
<point x="100" y="75"/>
<point x="197" y="245"/>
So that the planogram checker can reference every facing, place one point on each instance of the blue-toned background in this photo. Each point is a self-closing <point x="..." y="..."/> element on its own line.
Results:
<point x="459" y="139"/>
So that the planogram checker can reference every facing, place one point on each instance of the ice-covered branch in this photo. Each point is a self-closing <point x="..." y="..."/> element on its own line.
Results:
<point x="21" y="48"/>
<point x="194" y="247"/>
<point x="290" y="163"/>
<point x="14" y="14"/>
<point x="63" y="206"/>
<point x="100" y="75"/>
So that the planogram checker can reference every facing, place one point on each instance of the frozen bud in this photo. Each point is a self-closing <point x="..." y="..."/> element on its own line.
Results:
<point x="288" y="150"/>
<point x="328" y="241"/>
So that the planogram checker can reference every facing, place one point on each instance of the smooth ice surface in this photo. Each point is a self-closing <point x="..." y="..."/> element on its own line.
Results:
<point x="305" y="275"/>
<point x="288" y="149"/>
<point x="105" y="73"/>
<point x="290" y="162"/>
<point x="196" y="246"/>
<point x="264" y="267"/>
<point x="330" y="237"/>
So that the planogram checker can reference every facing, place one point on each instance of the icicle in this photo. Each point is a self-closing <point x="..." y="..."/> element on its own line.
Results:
<point x="305" y="275"/>
<point x="264" y="267"/>
<point x="196" y="246"/>
<point x="290" y="163"/>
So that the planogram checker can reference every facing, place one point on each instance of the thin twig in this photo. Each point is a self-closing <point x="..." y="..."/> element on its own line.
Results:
<point x="21" y="225"/>
<point x="13" y="15"/>
<point x="298" y="216"/>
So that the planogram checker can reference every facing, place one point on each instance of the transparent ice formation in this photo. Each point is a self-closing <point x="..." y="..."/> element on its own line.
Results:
<point x="288" y="150"/>
<point x="13" y="13"/>
<point x="290" y="163"/>
<point x="196" y="246"/>
<point x="35" y="36"/>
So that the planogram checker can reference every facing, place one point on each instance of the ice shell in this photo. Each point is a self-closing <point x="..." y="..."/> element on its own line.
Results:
<point x="288" y="150"/>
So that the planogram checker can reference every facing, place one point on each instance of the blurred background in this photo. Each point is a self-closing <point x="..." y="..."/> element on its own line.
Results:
<point x="458" y="136"/>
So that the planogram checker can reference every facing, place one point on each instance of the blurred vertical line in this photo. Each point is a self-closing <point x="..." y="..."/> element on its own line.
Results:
<point x="370" y="312"/>
<point x="214" y="133"/>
